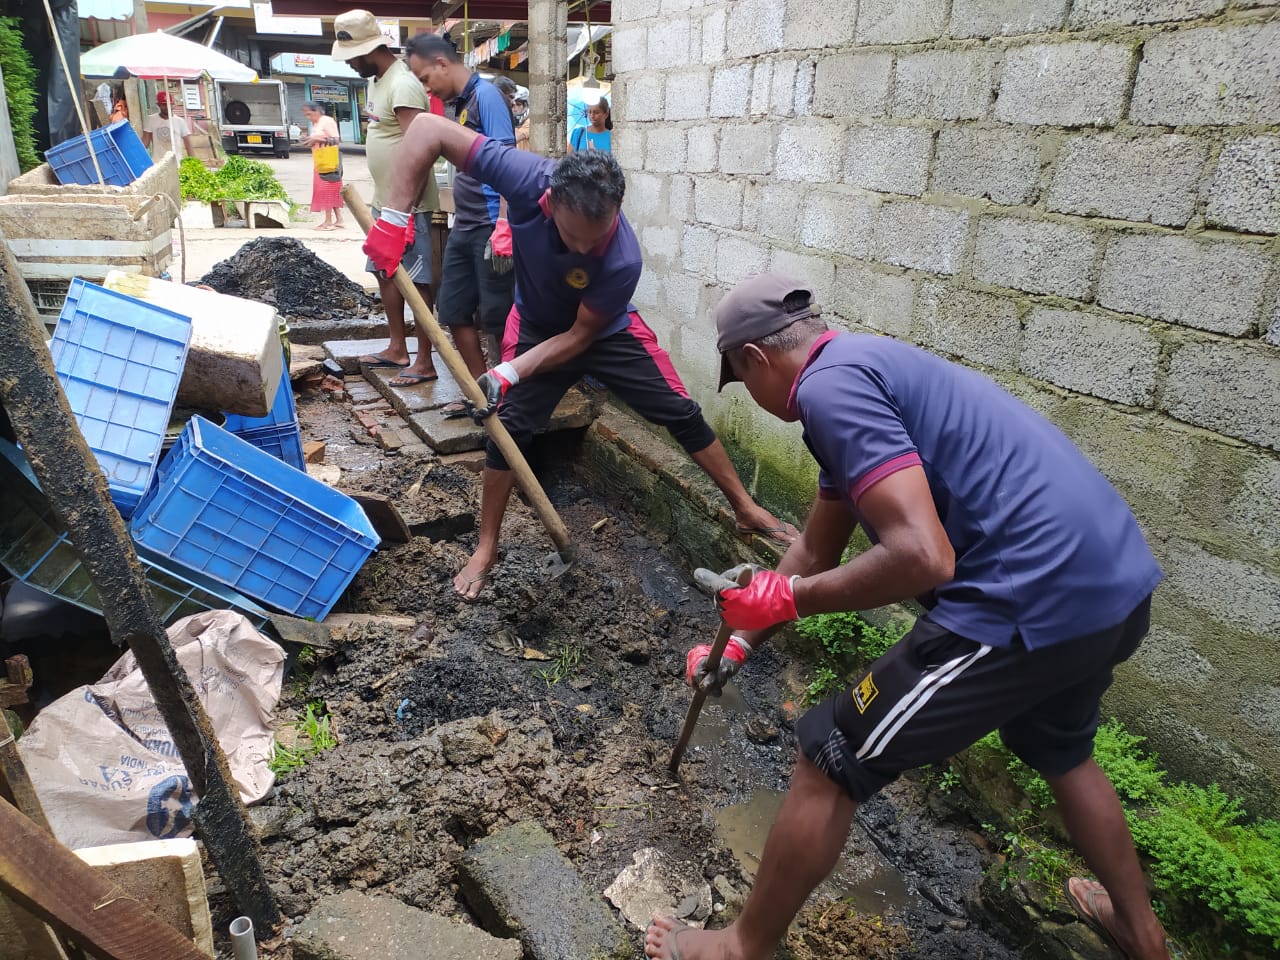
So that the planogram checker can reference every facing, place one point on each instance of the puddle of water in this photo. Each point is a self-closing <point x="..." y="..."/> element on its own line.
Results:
<point x="713" y="721"/>
<point x="870" y="883"/>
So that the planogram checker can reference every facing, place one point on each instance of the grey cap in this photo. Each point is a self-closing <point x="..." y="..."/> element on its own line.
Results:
<point x="753" y="310"/>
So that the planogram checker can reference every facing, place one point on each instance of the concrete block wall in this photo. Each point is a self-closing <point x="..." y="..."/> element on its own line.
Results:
<point x="1079" y="197"/>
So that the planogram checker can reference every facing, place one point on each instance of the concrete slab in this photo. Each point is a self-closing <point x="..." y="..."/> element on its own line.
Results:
<point x="346" y="352"/>
<point x="166" y="876"/>
<point x="417" y="398"/>
<point x="458" y="435"/>
<point x="353" y="926"/>
<point x="518" y="883"/>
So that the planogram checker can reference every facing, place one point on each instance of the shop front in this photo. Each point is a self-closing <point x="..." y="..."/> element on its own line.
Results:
<point x="323" y="80"/>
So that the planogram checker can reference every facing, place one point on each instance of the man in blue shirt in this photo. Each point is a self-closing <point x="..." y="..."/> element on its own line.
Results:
<point x="577" y="262"/>
<point x="1036" y="579"/>
<point x="472" y="280"/>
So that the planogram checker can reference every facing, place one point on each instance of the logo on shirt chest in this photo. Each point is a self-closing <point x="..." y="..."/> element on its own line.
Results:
<point x="864" y="693"/>
<point x="462" y="116"/>
<point x="577" y="278"/>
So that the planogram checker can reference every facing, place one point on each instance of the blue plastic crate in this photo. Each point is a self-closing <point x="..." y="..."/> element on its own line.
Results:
<point x="277" y="432"/>
<point x="237" y="515"/>
<point x="120" y="361"/>
<point x="120" y="153"/>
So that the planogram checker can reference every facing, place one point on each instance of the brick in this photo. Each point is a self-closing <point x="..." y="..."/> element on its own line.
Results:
<point x="676" y="6"/>
<point x="679" y="296"/>
<point x="666" y="148"/>
<point x="978" y="327"/>
<point x="1211" y="75"/>
<point x="1065" y="84"/>
<point x="1227" y="387"/>
<point x="1004" y="18"/>
<point x="703" y="149"/>
<point x="746" y="148"/>
<point x="804" y="88"/>
<point x="750" y="205"/>
<point x="818" y="23"/>
<point x="660" y="242"/>
<point x="730" y="91"/>
<point x="909" y="233"/>
<point x="645" y="97"/>
<point x="755" y="27"/>
<point x="854" y="84"/>
<point x="1273" y="332"/>
<point x="1140" y="178"/>
<point x="813" y="152"/>
<point x="643" y="199"/>
<point x="688" y="94"/>
<point x="680" y="198"/>
<point x="1000" y="163"/>
<point x="624" y="11"/>
<point x="1212" y="286"/>
<point x="1091" y="353"/>
<point x="1035" y="255"/>
<point x="900" y="21"/>
<point x="1230" y="591"/>
<point x="698" y="250"/>
<point x="837" y="222"/>
<point x="713" y="34"/>
<point x="818" y="272"/>
<point x="1092" y="13"/>
<point x="668" y="44"/>
<point x="944" y="84"/>
<point x="889" y="159"/>
<point x="718" y="202"/>
<point x="1245" y="193"/>
<point x="782" y="88"/>
<point x="882" y="301"/>
<point x="738" y="258"/>
<point x="645" y="295"/>
<point x="1253" y="508"/>
<point x="781" y="205"/>
<point x="628" y="144"/>
<point x="630" y="48"/>
<point x="761" y="85"/>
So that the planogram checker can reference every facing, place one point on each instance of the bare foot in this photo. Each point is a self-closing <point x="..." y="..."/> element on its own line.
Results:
<point x="669" y="939"/>
<point x="1093" y="904"/>
<point x="757" y="520"/>
<point x="473" y="578"/>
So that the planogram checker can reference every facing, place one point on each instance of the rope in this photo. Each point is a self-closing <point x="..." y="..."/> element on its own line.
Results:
<point x="71" y="85"/>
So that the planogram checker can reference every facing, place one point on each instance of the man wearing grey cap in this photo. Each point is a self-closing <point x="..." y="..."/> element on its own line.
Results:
<point x="1033" y="572"/>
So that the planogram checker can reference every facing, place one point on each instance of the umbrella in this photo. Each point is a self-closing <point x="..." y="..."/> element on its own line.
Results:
<point x="155" y="56"/>
<point x="579" y="97"/>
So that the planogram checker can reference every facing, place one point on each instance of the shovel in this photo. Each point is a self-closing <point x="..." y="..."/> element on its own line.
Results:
<point x="711" y="581"/>
<point x="556" y="563"/>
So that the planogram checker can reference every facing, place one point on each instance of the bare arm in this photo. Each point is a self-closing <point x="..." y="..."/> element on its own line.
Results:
<point x="426" y="140"/>
<point x="913" y="556"/>
<point x="557" y="350"/>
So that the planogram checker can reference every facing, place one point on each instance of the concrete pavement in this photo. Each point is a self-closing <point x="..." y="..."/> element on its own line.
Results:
<point x="339" y="248"/>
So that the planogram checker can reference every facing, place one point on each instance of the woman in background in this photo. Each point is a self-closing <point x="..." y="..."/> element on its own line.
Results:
<point x="326" y="188"/>
<point x="595" y="136"/>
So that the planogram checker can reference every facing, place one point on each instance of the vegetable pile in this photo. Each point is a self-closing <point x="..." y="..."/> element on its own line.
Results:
<point x="237" y="179"/>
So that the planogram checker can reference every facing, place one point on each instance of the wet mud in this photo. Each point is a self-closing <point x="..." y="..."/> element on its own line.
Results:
<point x="559" y="700"/>
<point x="281" y="271"/>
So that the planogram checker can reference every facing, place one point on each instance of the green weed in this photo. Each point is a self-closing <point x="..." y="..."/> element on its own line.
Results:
<point x="846" y="643"/>
<point x="568" y="657"/>
<point x="315" y="735"/>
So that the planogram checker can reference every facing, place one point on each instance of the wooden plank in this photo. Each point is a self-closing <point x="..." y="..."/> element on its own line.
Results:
<point x="51" y="882"/>
<point x="384" y="516"/>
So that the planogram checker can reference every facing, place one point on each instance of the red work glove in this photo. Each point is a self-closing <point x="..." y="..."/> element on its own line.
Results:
<point x="735" y="655"/>
<point x="388" y="240"/>
<point x="501" y="238"/>
<point x="766" y="600"/>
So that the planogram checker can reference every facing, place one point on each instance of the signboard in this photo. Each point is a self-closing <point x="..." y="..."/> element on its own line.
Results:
<point x="304" y="60"/>
<point x="191" y="97"/>
<point x="391" y="30"/>
<point x="266" y="21"/>
<point x="330" y="92"/>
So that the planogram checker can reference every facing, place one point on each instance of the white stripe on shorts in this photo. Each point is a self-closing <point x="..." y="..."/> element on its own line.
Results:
<point x="909" y="705"/>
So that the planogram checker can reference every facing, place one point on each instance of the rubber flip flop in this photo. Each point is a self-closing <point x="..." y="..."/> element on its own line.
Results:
<point x="370" y="360"/>
<point x="411" y="379"/>
<point x="1089" y="916"/>
<point x="776" y="534"/>
<point x="452" y="411"/>
<point x="673" y="948"/>
<point x="483" y="580"/>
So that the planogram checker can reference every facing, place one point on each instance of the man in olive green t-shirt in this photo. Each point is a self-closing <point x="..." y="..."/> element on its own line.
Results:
<point x="396" y="97"/>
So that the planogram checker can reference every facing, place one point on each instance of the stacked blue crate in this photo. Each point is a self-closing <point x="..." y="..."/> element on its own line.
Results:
<point x="119" y="361"/>
<point x="277" y="432"/>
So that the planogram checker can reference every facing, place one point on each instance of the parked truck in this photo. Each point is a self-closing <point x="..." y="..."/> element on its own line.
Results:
<point x="253" y="116"/>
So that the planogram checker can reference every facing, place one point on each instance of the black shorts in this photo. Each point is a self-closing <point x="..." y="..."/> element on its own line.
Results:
<point x="469" y="286"/>
<point x="629" y="362"/>
<point x="935" y="693"/>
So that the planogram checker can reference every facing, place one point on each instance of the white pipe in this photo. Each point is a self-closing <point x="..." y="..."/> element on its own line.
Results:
<point x="243" y="946"/>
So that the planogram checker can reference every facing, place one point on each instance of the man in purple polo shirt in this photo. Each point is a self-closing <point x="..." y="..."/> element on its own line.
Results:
<point x="1035" y="576"/>
<point x="577" y="262"/>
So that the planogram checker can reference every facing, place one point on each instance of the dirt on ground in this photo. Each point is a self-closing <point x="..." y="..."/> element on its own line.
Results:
<point x="281" y="271"/>
<point x="558" y="701"/>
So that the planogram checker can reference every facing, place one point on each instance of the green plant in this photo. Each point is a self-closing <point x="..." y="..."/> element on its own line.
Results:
<point x="19" y="91"/>
<point x="315" y="735"/>
<point x="1033" y="857"/>
<point x="825" y="683"/>
<point x="846" y="642"/>
<point x="568" y="657"/>
<point x="238" y="179"/>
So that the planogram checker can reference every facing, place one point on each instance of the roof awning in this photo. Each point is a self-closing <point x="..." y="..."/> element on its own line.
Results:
<point x="601" y="12"/>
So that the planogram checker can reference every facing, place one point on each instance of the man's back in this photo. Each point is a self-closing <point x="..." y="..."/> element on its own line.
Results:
<point x="1045" y="547"/>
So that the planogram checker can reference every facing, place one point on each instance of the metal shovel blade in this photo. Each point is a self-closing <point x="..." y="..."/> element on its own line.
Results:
<point x="557" y="564"/>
